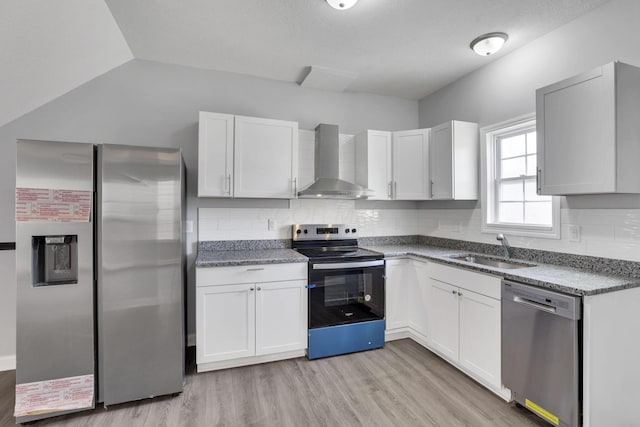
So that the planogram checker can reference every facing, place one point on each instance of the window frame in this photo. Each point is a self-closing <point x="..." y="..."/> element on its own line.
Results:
<point x="489" y="189"/>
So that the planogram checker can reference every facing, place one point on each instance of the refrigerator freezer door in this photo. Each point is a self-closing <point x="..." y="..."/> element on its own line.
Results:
<point x="140" y="273"/>
<point x="55" y="323"/>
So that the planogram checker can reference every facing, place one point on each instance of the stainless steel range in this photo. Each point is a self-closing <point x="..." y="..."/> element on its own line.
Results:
<point x="346" y="290"/>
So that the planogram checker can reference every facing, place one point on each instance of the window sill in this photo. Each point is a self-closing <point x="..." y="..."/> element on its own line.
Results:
<point x="522" y="230"/>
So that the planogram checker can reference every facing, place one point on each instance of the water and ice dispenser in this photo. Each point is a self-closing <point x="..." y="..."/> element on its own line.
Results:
<point x="55" y="260"/>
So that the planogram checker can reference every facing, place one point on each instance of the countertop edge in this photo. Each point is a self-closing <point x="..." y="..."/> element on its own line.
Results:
<point x="632" y="283"/>
<point x="205" y="264"/>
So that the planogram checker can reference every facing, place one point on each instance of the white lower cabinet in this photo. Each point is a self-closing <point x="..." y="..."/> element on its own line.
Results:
<point x="466" y="324"/>
<point x="400" y="273"/>
<point x="442" y="309"/>
<point x="419" y="325"/>
<point x="226" y="323"/>
<point x="406" y="289"/>
<point x="256" y="321"/>
<point x="480" y="344"/>
<point x="281" y="317"/>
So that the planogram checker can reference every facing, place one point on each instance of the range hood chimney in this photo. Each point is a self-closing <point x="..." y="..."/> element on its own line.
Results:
<point x="327" y="184"/>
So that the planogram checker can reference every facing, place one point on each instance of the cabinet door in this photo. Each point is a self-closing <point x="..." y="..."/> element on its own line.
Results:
<point x="400" y="274"/>
<point x="373" y="168"/>
<point x="215" y="155"/>
<point x="225" y="322"/>
<point x="480" y="336"/>
<point x="576" y="134"/>
<point x="265" y="158"/>
<point x="442" y="309"/>
<point x="281" y="316"/>
<point x="441" y="161"/>
<point x="418" y="301"/>
<point x="411" y="165"/>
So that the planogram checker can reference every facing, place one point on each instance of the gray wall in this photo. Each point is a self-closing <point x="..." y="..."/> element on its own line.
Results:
<point x="505" y="89"/>
<point x="153" y="104"/>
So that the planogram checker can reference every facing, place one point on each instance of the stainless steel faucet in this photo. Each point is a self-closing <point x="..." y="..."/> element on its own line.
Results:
<point x="505" y="245"/>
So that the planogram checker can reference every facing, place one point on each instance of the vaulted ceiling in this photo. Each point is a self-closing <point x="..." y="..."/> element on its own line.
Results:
<point x="404" y="48"/>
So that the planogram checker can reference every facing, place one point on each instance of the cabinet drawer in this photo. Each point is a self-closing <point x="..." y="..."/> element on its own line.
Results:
<point x="207" y="276"/>
<point x="481" y="283"/>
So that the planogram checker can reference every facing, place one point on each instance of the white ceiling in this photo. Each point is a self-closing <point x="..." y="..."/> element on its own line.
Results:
<point x="405" y="48"/>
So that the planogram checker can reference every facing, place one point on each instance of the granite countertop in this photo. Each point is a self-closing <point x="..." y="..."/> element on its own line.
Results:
<point x="218" y="258"/>
<point x="564" y="279"/>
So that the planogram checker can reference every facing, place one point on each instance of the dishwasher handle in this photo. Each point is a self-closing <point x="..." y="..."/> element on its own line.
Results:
<point x="548" y="308"/>
<point x="542" y="300"/>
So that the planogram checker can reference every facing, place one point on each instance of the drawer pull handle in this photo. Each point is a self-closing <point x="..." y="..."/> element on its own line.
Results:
<point x="255" y="269"/>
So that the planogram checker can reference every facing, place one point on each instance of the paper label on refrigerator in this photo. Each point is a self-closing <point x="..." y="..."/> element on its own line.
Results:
<point x="49" y="205"/>
<point x="62" y="394"/>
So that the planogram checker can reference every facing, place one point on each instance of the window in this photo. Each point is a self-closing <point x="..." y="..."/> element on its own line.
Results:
<point x="510" y="200"/>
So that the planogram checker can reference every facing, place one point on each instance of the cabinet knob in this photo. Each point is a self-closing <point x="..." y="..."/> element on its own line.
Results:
<point x="460" y="293"/>
<point x="454" y="292"/>
<point x="259" y="288"/>
<point x="251" y="289"/>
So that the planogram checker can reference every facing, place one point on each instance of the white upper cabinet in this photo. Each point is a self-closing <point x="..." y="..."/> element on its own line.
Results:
<point x="395" y="165"/>
<point x="265" y="158"/>
<point x="373" y="163"/>
<point x="588" y="132"/>
<point x="247" y="157"/>
<point x="215" y="155"/>
<point x="453" y="161"/>
<point x="411" y="164"/>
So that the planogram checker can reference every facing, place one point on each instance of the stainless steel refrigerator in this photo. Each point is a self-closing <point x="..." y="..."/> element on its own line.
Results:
<point x="100" y="275"/>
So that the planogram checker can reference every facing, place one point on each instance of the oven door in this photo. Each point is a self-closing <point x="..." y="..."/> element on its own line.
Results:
<point x="345" y="292"/>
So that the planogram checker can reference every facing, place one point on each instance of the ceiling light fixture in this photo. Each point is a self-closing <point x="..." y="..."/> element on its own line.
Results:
<point x="342" y="4"/>
<point x="488" y="44"/>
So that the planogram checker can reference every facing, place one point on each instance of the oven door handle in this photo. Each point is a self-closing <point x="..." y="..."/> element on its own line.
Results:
<point x="343" y="265"/>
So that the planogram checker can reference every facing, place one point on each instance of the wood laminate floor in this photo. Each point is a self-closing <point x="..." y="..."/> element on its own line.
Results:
<point x="402" y="384"/>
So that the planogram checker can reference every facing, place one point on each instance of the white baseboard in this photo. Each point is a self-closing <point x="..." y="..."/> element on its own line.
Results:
<point x="245" y="361"/>
<point x="397" y="334"/>
<point x="191" y="340"/>
<point x="7" y="363"/>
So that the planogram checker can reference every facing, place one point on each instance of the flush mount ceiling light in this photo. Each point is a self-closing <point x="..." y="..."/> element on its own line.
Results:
<point x="488" y="44"/>
<point x="342" y="4"/>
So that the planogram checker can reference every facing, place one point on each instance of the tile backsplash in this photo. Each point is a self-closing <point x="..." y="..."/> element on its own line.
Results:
<point x="608" y="233"/>
<point x="253" y="224"/>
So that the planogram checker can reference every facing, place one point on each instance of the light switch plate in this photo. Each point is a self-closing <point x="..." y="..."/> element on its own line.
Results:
<point x="271" y="224"/>
<point x="188" y="226"/>
<point x="574" y="233"/>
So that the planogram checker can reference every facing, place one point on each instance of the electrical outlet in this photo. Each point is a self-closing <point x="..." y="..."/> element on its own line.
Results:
<point x="188" y="226"/>
<point x="272" y="224"/>
<point x="574" y="233"/>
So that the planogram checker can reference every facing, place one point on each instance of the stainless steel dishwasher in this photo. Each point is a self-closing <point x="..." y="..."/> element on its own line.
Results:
<point x="541" y="351"/>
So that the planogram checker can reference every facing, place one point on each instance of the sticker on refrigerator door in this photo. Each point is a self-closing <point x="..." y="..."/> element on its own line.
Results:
<point x="541" y="412"/>
<point x="62" y="394"/>
<point x="50" y="205"/>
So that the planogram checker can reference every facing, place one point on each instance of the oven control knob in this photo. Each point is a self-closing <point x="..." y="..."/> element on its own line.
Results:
<point x="306" y="231"/>
<point x="346" y="230"/>
<point x="353" y="230"/>
<point x="298" y="231"/>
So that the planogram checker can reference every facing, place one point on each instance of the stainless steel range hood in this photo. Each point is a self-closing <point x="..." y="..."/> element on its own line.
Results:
<point x="327" y="184"/>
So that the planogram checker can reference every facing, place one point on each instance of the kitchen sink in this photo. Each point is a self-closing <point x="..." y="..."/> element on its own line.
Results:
<point x="492" y="262"/>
